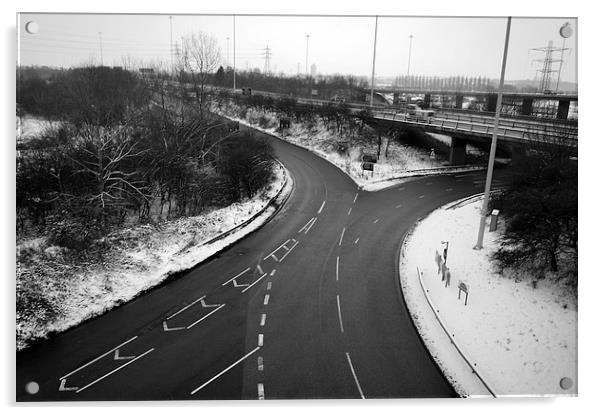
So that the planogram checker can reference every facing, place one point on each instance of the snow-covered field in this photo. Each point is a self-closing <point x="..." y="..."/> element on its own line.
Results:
<point x="30" y="126"/>
<point x="140" y="258"/>
<point x="399" y="162"/>
<point x="521" y="338"/>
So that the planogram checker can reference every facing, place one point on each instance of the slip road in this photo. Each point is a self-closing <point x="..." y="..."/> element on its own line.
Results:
<point x="309" y="306"/>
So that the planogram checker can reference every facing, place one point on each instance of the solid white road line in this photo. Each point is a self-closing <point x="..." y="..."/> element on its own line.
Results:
<point x="266" y="299"/>
<point x="204" y="317"/>
<point x="259" y="269"/>
<point x="260" y="391"/>
<point x="306" y="225"/>
<point x="236" y="276"/>
<point x="341" y="240"/>
<point x="397" y="207"/>
<point x="289" y="251"/>
<point x="260" y="340"/>
<point x="262" y="322"/>
<point x="205" y="305"/>
<point x="420" y="197"/>
<point x="355" y="198"/>
<point x="357" y="383"/>
<point x="256" y="281"/>
<point x="312" y="224"/>
<point x="187" y="307"/>
<point x="321" y="207"/>
<point x="113" y="371"/>
<point x="356" y="241"/>
<point x="98" y="358"/>
<point x="165" y="328"/>
<point x="337" y="273"/>
<point x="401" y="188"/>
<point x="224" y="371"/>
<point x="272" y="273"/>
<point x="276" y="250"/>
<point x="340" y="317"/>
<point x="349" y="211"/>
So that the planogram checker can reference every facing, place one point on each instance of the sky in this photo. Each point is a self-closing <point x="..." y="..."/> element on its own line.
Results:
<point x="441" y="46"/>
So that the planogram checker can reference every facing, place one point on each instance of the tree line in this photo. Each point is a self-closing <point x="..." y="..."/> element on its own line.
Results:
<point x="126" y="147"/>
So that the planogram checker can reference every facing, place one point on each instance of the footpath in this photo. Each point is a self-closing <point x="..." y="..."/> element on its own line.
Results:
<point x="491" y="335"/>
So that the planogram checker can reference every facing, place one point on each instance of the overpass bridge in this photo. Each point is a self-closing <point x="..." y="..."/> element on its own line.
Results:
<point x="464" y="128"/>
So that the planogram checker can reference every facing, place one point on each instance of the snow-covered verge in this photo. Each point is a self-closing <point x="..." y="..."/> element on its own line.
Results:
<point x="519" y="336"/>
<point x="398" y="162"/>
<point x="54" y="295"/>
<point x="30" y="126"/>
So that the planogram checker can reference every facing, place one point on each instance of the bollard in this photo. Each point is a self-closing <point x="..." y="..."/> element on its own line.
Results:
<point x="493" y="224"/>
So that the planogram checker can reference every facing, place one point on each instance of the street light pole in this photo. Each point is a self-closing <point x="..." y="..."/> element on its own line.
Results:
<point x="306" y="53"/>
<point x="234" y="53"/>
<point x="171" y="42"/>
<point x="373" y="61"/>
<point x="410" y="54"/>
<point x="496" y="123"/>
<point x="100" y="42"/>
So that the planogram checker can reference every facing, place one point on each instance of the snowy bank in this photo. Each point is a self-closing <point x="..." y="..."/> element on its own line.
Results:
<point x="395" y="165"/>
<point x="61" y="295"/>
<point x="519" y="336"/>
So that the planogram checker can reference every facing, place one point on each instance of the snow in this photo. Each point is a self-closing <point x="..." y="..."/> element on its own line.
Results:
<point x="402" y="161"/>
<point x="520" y="339"/>
<point x="140" y="258"/>
<point x="30" y="126"/>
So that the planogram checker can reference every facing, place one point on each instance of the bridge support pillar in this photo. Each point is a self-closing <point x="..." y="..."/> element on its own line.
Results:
<point x="563" y="109"/>
<point x="457" y="155"/>
<point x="395" y="98"/>
<point x="459" y="101"/>
<point x="427" y="100"/>
<point x="491" y="102"/>
<point x="527" y="107"/>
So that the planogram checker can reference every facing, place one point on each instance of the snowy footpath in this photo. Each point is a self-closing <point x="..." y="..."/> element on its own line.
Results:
<point x="141" y="258"/>
<point x="510" y="337"/>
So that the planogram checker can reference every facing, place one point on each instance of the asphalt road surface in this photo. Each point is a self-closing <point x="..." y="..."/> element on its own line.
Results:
<point x="309" y="306"/>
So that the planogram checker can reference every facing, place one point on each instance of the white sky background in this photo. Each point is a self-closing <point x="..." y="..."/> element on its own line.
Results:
<point x="441" y="46"/>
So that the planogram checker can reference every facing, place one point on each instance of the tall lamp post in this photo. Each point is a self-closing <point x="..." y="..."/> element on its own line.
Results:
<point x="566" y="31"/>
<point x="496" y="123"/>
<point x="410" y="53"/>
<point x="373" y="61"/>
<point x="306" y="53"/>
<point x="234" y="53"/>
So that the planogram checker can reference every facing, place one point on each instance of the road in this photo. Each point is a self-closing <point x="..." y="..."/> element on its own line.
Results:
<point x="309" y="306"/>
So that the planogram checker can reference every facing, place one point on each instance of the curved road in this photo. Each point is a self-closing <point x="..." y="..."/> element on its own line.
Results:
<point x="309" y="306"/>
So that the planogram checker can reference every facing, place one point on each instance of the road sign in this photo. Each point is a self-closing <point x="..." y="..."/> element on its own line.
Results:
<point x="369" y="158"/>
<point x="463" y="287"/>
<point x="368" y="166"/>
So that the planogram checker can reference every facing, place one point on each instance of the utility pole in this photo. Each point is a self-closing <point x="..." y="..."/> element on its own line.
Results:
<point x="410" y="53"/>
<point x="373" y="61"/>
<point x="234" y="53"/>
<point x="306" y="53"/>
<point x="227" y="51"/>
<point x="100" y="42"/>
<point x="171" y="42"/>
<point x="496" y="123"/>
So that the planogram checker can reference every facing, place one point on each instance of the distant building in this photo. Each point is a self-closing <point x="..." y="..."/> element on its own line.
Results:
<point x="314" y="69"/>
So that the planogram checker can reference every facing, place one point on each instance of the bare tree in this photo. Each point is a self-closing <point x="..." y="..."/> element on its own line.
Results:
<point x="199" y="59"/>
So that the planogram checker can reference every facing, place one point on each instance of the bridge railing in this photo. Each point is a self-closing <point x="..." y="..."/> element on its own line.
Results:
<point x="532" y="133"/>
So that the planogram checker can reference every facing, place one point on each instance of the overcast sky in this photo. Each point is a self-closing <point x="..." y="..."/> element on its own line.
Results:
<point x="441" y="46"/>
